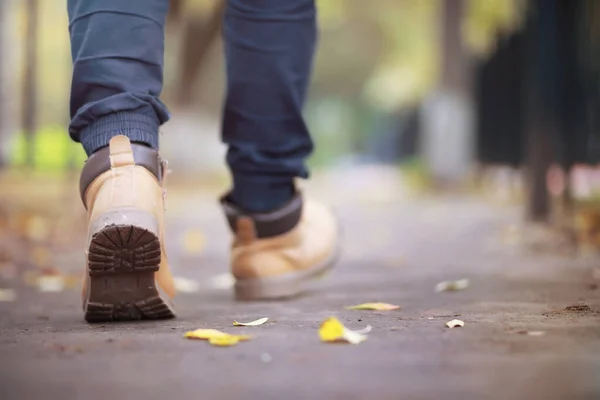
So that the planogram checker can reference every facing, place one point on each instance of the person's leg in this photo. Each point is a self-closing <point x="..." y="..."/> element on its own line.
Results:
<point x="269" y="46"/>
<point x="282" y="241"/>
<point x="117" y="49"/>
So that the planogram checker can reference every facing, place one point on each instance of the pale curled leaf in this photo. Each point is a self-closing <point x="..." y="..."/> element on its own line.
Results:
<point x="364" y="331"/>
<point x="374" y="306"/>
<point x="185" y="285"/>
<point x="221" y="281"/>
<point x="532" y="333"/>
<point x="455" y="323"/>
<point x="332" y="331"/>
<point x="51" y="283"/>
<point x="452" y="286"/>
<point x="257" y="322"/>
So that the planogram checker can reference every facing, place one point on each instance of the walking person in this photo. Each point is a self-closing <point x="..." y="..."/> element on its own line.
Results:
<point x="281" y="240"/>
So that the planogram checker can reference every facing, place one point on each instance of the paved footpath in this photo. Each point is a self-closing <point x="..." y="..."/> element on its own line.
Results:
<point x="396" y="250"/>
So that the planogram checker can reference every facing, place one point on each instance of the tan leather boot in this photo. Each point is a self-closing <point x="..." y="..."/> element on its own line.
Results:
<point x="277" y="254"/>
<point x="128" y="276"/>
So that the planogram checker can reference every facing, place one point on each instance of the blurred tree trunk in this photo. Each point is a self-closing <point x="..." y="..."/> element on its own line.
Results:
<point x="29" y="107"/>
<point x="198" y="36"/>
<point x="5" y="70"/>
<point x="448" y="134"/>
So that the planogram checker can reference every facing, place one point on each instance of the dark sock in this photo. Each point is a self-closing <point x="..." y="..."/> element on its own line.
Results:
<point x="259" y="198"/>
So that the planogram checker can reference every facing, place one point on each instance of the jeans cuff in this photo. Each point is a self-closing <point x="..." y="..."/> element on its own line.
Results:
<point x="137" y="127"/>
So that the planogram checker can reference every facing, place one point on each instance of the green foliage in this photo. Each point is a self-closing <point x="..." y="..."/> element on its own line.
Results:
<point x="52" y="150"/>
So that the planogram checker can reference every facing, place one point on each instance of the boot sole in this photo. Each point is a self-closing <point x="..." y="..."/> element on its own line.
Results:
<point x="284" y="286"/>
<point x="122" y="260"/>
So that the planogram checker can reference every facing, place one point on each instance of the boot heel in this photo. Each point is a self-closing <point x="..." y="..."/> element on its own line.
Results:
<point x="124" y="252"/>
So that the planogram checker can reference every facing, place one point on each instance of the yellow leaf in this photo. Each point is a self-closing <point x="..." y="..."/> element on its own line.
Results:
<point x="7" y="295"/>
<point x="374" y="306"/>
<point x="332" y="330"/>
<point x="455" y="323"/>
<point x="224" y="341"/>
<point x="193" y="241"/>
<point x="257" y="322"/>
<point x="452" y="286"/>
<point x="210" y="334"/>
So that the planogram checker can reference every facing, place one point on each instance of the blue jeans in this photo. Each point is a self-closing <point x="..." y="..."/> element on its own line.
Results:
<point x="117" y="48"/>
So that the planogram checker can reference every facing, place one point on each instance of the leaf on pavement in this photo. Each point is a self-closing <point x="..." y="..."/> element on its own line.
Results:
<point x="455" y="323"/>
<point x="216" y="337"/>
<point x="221" y="281"/>
<point x="257" y="322"/>
<point x="532" y="333"/>
<point x="7" y="295"/>
<point x="224" y="341"/>
<point x="333" y="331"/>
<point x="374" y="306"/>
<point x="51" y="283"/>
<point x="185" y="285"/>
<point x="452" y="286"/>
<point x="193" y="241"/>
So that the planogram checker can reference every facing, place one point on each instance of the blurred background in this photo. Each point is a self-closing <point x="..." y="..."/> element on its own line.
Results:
<point x="429" y="116"/>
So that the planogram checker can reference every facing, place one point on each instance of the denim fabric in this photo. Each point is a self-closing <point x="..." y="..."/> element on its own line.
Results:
<point x="118" y="47"/>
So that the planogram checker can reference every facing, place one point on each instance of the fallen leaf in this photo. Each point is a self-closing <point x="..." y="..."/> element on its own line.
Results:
<point x="395" y="262"/>
<point x="7" y="295"/>
<point x="185" y="285"/>
<point x="532" y="333"/>
<point x="8" y="270"/>
<point x="221" y="281"/>
<point x="374" y="306"/>
<point x="38" y="228"/>
<point x="452" y="286"/>
<point x="216" y="337"/>
<point x="455" y="323"/>
<point x="224" y="341"/>
<point x="51" y="283"/>
<point x="332" y="330"/>
<point x="364" y="331"/>
<point x="578" y="308"/>
<point x="41" y="256"/>
<point x="193" y="241"/>
<point x="257" y="322"/>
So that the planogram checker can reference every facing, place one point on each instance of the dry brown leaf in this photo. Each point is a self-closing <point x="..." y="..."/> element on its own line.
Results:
<point x="532" y="333"/>
<point x="41" y="256"/>
<point x="452" y="286"/>
<point x="257" y="322"/>
<point x="374" y="306"/>
<point x="455" y="323"/>
<point x="7" y="295"/>
<point x="332" y="330"/>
